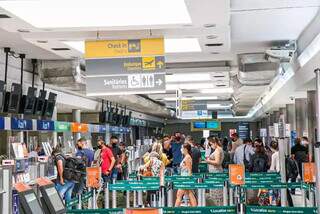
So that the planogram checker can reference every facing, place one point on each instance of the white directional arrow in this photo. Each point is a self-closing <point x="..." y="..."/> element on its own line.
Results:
<point x="159" y="82"/>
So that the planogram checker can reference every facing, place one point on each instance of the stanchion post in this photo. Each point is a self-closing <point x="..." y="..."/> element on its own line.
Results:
<point x="282" y="152"/>
<point x="317" y="144"/>
<point x="114" y="196"/>
<point x="106" y="196"/>
<point x="89" y="200"/>
<point x="140" y="201"/>
<point x="170" y="196"/>
<point x="162" y="196"/>
<point x="199" y="193"/>
<point x="231" y="197"/>
<point x="93" y="199"/>
<point x="79" y="202"/>
<point x="134" y="199"/>
<point x="128" y="199"/>
<point x="311" y="196"/>
<point x="225" y="194"/>
<point x="303" y="197"/>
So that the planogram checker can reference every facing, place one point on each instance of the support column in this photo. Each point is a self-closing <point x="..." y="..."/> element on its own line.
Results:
<point x="55" y="134"/>
<point x="76" y="117"/>
<point x="312" y="123"/>
<point x="317" y="144"/>
<point x="301" y="109"/>
<point x="291" y="119"/>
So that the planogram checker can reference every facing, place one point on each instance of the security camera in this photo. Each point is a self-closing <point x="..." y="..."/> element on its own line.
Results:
<point x="291" y="98"/>
<point x="267" y="113"/>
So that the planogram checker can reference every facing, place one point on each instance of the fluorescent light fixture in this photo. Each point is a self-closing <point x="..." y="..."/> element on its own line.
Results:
<point x="188" y="86"/>
<point x="97" y="13"/>
<point x="312" y="49"/>
<point x="182" y="45"/>
<point x="187" y="77"/>
<point x="217" y="91"/>
<point x="191" y="98"/>
<point x="171" y="45"/>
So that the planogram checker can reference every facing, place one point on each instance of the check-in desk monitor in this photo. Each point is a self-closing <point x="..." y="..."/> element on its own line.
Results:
<point x="51" y="200"/>
<point x="29" y="203"/>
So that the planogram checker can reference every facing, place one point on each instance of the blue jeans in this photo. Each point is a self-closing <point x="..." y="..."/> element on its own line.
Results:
<point x="114" y="174"/>
<point x="65" y="190"/>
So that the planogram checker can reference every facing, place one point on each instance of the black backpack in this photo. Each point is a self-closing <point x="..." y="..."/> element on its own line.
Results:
<point x="292" y="169"/>
<point x="259" y="163"/>
<point x="74" y="169"/>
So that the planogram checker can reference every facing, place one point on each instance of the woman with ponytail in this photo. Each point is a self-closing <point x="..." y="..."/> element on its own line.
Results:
<point x="186" y="170"/>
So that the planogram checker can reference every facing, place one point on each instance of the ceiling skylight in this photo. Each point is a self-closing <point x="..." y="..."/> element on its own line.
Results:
<point x="97" y="13"/>
<point x="171" y="45"/>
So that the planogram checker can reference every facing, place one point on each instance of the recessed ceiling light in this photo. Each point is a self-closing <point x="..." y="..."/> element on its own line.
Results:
<point x="97" y="13"/>
<point x="42" y="41"/>
<point x="212" y="37"/>
<point x="214" y="53"/>
<point x="23" y="31"/>
<point x="214" y="44"/>
<point x="187" y="25"/>
<point x="171" y="45"/>
<point x="60" y="49"/>
<point x="209" y="25"/>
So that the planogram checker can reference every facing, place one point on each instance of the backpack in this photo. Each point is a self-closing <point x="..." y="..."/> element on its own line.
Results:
<point x="74" y="168"/>
<point x="226" y="160"/>
<point x="259" y="163"/>
<point x="292" y="169"/>
<point x="245" y="161"/>
<point x="301" y="156"/>
<point x="84" y="158"/>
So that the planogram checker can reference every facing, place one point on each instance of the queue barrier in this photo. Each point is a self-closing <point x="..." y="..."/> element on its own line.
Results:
<point x="199" y="182"/>
<point x="208" y="210"/>
<point x="82" y="198"/>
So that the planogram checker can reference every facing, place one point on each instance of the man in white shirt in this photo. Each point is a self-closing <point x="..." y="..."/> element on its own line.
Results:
<point x="236" y="142"/>
<point x="275" y="161"/>
<point x="243" y="152"/>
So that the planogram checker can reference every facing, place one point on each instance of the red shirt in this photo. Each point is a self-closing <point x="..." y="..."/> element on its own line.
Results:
<point x="106" y="155"/>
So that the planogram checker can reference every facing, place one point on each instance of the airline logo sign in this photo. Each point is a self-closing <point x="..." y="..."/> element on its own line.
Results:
<point x="125" y="66"/>
<point x="124" y="48"/>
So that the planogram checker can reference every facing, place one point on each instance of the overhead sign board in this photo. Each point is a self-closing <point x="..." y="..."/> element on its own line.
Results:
<point x="124" y="48"/>
<point x="126" y="84"/>
<point x="102" y="67"/>
<point x="244" y="130"/>
<point x="21" y="124"/>
<point x="62" y="126"/>
<point x="45" y="125"/>
<point x="190" y="105"/>
<point x="125" y="67"/>
<point x="201" y="114"/>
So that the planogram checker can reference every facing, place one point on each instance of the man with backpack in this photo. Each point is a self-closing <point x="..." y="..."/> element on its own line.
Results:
<point x="83" y="152"/>
<point x="259" y="160"/>
<point x="243" y="153"/>
<point x="299" y="153"/>
<point x="63" y="185"/>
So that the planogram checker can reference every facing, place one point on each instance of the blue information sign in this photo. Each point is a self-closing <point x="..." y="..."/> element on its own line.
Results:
<point x="21" y="124"/>
<point x="244" y="130"/>
<point x="102" y="129"/>
<point x="45" y="125"/>
<point x="1" y="122"/>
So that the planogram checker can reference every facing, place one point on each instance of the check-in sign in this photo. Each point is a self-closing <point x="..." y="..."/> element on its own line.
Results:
<point x="125" y="67"/>
<point x="124" y="48"/>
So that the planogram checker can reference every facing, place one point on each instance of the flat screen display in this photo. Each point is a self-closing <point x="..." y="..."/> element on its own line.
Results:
<point x="200" y="125"/>
<point x="33" y="202"/>
<point x="55" y="199"/>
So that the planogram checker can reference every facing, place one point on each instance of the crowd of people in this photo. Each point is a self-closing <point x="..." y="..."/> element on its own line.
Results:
<point x="180" y="154"/>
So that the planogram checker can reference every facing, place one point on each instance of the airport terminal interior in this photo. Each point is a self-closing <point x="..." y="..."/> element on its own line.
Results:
<point x="167" y="106"/>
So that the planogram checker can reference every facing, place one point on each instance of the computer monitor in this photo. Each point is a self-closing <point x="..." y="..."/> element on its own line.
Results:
<point x="40" y="104"/>
<point x="49" y="105"/>
<point x="29" y="202"/>
<point x="30" y="101"/>
<point x="15" y="98"/>
<point x="51" y="200"/>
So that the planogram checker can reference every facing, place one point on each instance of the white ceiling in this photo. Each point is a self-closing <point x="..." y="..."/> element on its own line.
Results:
<point x="242" y="26"/>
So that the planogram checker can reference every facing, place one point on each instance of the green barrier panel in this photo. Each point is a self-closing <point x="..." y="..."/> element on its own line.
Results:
<point x="134" y="187"/>
<point x="198" y="186"/>
<point x="72" y="203"/>
<point x="262" y="174"/>
<point x="75" y="201"/>
<point x="203" y="167"/>
<point x="98" y="211"/>
<point x="286" y="210"/>
<point x="217" y="175"/>
<point x="198" y="210"/>
<point x="86" y="196"/>
<point x="179" y="178"/>
<point x="272" y="186"/>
